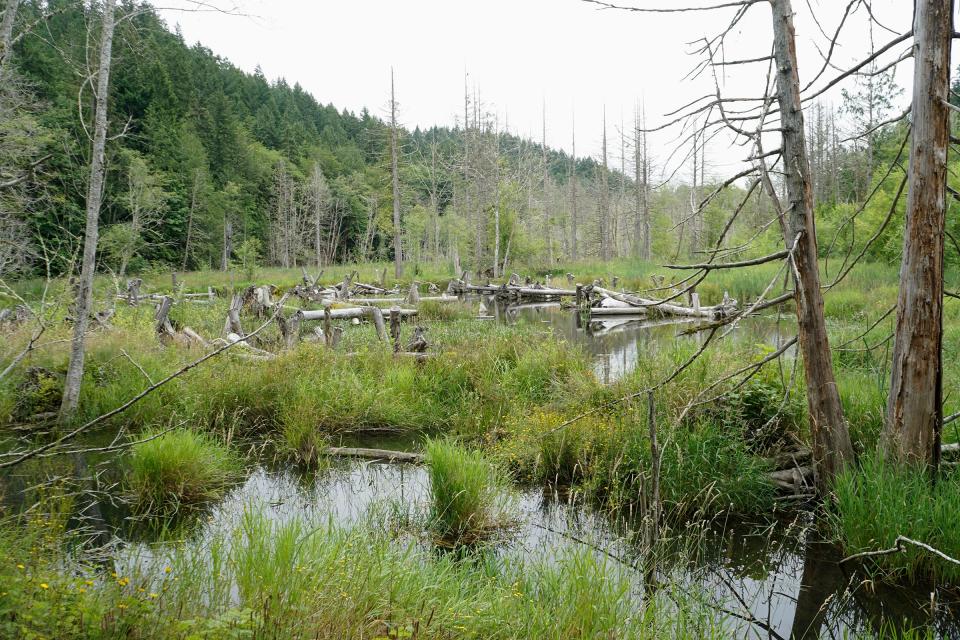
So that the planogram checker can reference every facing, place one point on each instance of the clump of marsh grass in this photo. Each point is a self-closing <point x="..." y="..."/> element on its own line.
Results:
<point x="879" y="501"/>
<point x="469" y="494"/>
<point x="181" y="468"/>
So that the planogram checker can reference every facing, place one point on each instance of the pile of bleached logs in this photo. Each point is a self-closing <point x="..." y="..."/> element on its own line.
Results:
<point x="511" y="292"/>
<point x="612" y="303"/>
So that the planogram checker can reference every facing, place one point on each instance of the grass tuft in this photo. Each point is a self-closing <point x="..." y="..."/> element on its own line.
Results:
<point x="879" y="501"/>
<point x="469" y="494"/>
<point x="181" y="468"/>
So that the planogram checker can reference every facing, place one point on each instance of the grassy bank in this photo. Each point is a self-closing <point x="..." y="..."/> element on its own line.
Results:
<point x="304" y="579"/>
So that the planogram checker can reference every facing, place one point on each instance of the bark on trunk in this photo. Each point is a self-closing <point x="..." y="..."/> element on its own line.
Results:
<point x="832" y="449"/>
<point x="71" y="389"/>
<point x="397" y="248"/>
<point x="6" y="31"/>
<point x="914" y="417"/>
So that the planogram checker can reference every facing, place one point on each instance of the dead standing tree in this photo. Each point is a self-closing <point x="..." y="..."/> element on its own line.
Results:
<point x="71" y="389"/>
<point x="914" y="417"/>
<point x="779" y="110"/>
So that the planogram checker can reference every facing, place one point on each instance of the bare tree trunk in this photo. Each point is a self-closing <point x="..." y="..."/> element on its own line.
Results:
<point x="548" y="236"/>
<point x="434" y="197"/>
<point x="641" y="178"/>
<point x="193" y="206"/>
<point x="832" y="449"/>
<point x="227" y="242"/>
<point x="496" y="205"/>
<point x="604" y="200"/>
<point x="914" y="416"/>
<point x="397" y="249"/>
<point x="6" y="31"/>
<point x="74" y="378"/>
<point x="573" y="195"/>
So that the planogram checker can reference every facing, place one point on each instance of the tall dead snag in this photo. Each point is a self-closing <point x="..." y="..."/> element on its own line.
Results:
<point x="914" y="417"/>
<point x="71" y="389"/>
<point x="395" y="174"/>
<point x="832" y="449"/>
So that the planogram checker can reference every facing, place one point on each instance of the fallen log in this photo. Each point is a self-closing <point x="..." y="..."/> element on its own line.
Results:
<point x="347" y="313"/>
<point x="795" y="480"/>
<point x="508" y="290"/>
<point x="376" y="454"/>
<point x="398" y="300"/>
<point x="664" y="308"/>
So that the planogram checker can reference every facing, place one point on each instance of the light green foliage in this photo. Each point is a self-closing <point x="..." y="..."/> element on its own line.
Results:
<point x="179" y="469"/>
<point x="468" y="493"/>
<point x="248" y="257"/>
<point x="878" y="501"/>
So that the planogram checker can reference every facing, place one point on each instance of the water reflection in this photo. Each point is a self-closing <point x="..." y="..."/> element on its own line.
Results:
<point x="772" y="581"/>
<point x="617" y="344"/>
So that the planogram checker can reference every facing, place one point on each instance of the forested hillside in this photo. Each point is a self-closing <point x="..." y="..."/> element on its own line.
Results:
<point x="208" y="165"/>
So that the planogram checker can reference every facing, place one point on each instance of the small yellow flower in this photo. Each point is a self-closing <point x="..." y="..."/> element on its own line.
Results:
<point x="121" y="606"/>
<point x="154" y="595"/>
<point x="81" y="590"/>
<point x="167" y="570"/>
<point x="44" y="585"/>
<point x="21" y="567"/>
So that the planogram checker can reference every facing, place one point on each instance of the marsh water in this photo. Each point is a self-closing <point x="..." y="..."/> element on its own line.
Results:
<point x="776" y="575"/>
<point x="773" y="579"/>
<point x="617" y="344"/>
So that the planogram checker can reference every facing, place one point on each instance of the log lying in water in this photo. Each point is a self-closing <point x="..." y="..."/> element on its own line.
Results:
<point x="376" y="454"/>
<point x="649" y="306"/>
<point x="347" y="314"/>
<point x="510" y="290"/>
<point x="404" y="300"/>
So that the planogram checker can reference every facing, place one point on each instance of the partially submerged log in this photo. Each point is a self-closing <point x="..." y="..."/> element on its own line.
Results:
<point x="347" y="313"/>
<point x="649" y="306"/>
<point x="376" y="454"/>
<point x="510" y="291"/>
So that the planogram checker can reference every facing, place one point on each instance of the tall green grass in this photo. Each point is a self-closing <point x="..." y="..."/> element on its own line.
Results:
<point x="179" y="469"/>
<point x="469" y="494"/>
<point x="307" y="579"/>
<point x="878" y="501"/>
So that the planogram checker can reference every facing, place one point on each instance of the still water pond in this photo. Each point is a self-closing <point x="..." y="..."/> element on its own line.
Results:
<point x="777" y="576"/>
<point x="618" y="343"/>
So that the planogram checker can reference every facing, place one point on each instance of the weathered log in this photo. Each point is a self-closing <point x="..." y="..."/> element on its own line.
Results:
<point x="406" y="300"/>
<point x="796" y="480"/>
<point x="663" y="308"/>
<point x="289" y="329"/>
<point x="640" y="312"/>
<point x="163" y="327"/>
<point x="395" y="328"/>
<point x="232" y="325"/>
<point x="347" y="313"/>
<point x="133" y="291"/>
<point x="376" y="454"/>
<point x="511" y="290"/>
<point x="376" y="316"/>
<point x="241" y="342"/>
<point x="413" y="296"/>
<point x="418" y="343"/>
<point x="344" y="290"/>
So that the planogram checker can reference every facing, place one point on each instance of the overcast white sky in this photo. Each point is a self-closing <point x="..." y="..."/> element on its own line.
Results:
<point x="520" y="55"/>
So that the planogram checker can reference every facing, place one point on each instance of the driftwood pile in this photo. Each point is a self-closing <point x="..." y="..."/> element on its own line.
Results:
<point x="605" y="302"/>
